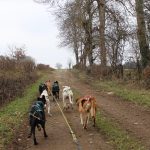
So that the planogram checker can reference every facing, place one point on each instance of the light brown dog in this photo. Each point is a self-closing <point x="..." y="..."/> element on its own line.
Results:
<point x="49" y="86"/>
<point x="87" y="107"/>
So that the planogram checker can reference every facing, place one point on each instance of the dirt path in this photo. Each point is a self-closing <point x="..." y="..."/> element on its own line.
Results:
<point x="132" y="118"/>
<point x="59" y="136"/>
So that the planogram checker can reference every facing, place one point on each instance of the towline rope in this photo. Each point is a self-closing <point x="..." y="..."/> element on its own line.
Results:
<point x="75" y="140"/>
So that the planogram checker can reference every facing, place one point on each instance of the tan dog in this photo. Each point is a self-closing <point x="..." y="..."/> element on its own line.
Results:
<point x="49" y="87"/>
<point x="87" y="108"/>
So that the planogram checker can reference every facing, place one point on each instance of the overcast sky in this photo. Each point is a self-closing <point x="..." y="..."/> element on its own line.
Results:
<point x="24" y="22"/>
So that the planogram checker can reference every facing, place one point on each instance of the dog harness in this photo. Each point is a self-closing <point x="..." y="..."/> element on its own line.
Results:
<point x="37" y="107"/>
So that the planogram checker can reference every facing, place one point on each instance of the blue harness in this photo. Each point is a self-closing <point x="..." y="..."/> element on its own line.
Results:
<point x="37" y="109"/>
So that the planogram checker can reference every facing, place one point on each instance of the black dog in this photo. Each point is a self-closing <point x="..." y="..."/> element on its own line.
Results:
<point x="42" y="87"/>
<point x="37" y="117"/>
<point x="55" y="90"/>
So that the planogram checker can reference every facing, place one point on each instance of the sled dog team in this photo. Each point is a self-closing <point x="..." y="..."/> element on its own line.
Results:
<point x="86" y="106"/>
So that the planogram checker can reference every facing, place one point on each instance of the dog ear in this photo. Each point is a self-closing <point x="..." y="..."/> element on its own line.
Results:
<point x="43" y="96"/>
<point x="38" y="98"/>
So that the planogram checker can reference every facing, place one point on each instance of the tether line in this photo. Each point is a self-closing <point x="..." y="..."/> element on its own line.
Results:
<point x="71" y="131"/>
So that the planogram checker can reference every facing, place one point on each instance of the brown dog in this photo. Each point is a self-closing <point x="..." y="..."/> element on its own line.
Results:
<point x="87" y="108"/>
<point x="49" y="86"/>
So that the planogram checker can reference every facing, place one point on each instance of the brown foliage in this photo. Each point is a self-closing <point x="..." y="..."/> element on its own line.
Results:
<point x="146" y="75"/>
<point x="15" y="75"/>
<point x="101" y="72"/>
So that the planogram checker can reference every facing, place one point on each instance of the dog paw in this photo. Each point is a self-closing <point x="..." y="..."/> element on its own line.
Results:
<point x="84" y="127"/>
<point x="36" y="143"/>
<point x="46" y="136"/>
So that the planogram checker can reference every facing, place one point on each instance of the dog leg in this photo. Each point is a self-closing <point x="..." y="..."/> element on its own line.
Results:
<point x="81" y="118"/>
<point x="34" y="138"/>
<point x="30" y="122"/>
<point x="71" y="101"/>
<point x="48" y="108"/>
<point x="72" y="106"/>
<point x="58" y="95"/>
<point x="85" y="124"/>
<point x="93" y="114"/>
<point x="44" y="131"/>
<point x="88" y="117"/>
<point x="64" y="102"/>
<point x="94" y="121"/>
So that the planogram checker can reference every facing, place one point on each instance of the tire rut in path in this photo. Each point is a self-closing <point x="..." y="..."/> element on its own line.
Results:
<point x="131" y="117"/>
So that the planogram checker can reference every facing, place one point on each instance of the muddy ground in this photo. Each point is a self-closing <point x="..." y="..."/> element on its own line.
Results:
<point x="131" y="117"/>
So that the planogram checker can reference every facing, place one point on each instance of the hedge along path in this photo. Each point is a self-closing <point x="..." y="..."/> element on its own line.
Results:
<point x="12" y="115"/>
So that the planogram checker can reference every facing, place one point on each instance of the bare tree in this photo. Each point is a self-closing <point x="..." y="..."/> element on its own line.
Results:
<point x="101" y="10"/>
<point x="147" y="18"/>
<point x="141" y="32"/>
<point x="99" y="30"/>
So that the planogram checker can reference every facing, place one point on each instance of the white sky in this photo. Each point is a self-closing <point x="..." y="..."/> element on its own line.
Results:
<point x="24" y="22"/>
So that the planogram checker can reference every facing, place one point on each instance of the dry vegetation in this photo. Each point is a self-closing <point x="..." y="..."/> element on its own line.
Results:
<point x="17" y="72"/>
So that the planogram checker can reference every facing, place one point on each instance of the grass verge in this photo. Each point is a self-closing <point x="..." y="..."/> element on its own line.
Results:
<point x="12" y="115"/>
<point x="117" y="136"/>
<point x="139" y="96"/>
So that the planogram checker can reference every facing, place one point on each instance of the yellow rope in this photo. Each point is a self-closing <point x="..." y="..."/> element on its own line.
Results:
<point x="71" y="131"/>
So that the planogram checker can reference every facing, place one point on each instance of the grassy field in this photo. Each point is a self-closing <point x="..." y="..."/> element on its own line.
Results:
<point x="141" y="97"/>
<point x="121" y="89"/>
<point x="12" y="115"/>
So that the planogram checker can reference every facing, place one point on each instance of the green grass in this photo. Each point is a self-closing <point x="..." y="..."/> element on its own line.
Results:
<point x="141" y="97"/>
<point x="118" y="137"/>
<point x="121" y="89"/>
<point x="12" y="115"/>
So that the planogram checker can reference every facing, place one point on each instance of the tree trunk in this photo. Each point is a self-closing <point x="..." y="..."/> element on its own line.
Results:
<point x="88" y="32"/>
<point x="101" y="8"/>
<point x="141" y="34"/>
